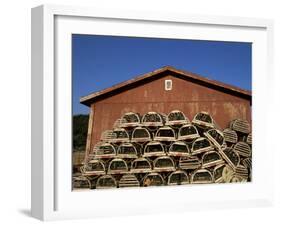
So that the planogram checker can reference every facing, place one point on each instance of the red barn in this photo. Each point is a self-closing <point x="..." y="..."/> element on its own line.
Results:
<point x="164" y="90"/>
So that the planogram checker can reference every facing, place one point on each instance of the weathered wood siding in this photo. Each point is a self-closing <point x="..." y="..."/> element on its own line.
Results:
<point x="185" y="96"/>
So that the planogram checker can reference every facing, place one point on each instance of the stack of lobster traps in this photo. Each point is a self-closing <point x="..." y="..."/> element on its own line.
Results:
<point x="157" y="149"/>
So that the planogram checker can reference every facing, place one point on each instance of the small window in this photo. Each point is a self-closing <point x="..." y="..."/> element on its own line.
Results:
<point x="168" y="84"/>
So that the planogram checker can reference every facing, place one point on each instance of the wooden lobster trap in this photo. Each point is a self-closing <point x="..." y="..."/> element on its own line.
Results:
<point x="115" y="136"/>
<point x="189" y="163"/>
<point x="211" y="158"/>
<point x="152" y="119"/>
<point x="165" y="133"/>
<point x="243" y="149"/>
<point x="141" y="165"/>
<point x="241" y="171"/>
<point x="178" y="177"/>
<point x="231" y="157"/>
<point x="249" y="139"/>
<point x="130" y="119"/>
<point x="93" y="167"/>
<point x="128" y="180"/>
<point x="203" y="119"/>
<point x="106" y="181"/>
<point x="188" y="132"/>
<point x="230" y="136"/>
<point x="154" y="148"/>
<point x="201" y="145"/>
<point x="202" y="176"/>
<point x="216" y="137"/>
<point x="81" y="182"/>
<point x="117" y="166"/>
<point x="127" y="150"/>
<point x="153" y="179"/>
<point x="176" y="118"/>
<point x="241" y="126"/>
<point x="164" y="164"/>
<point x="140" y="135"/>
<point x="218" y="173"/>
<point x="179" y="148"/>
<point x="247" y="162"/>
<point x="103" y="150"/>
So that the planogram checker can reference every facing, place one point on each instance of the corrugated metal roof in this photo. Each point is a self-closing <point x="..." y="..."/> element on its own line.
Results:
<point x="93" y="97"/>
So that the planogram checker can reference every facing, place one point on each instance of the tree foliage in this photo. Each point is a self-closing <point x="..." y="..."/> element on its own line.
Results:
<point x="79" y="130"/>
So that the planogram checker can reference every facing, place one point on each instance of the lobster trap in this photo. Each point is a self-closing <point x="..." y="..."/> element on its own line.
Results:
<point x="128" y="180"/>
<point x="188" y="132"/>
<point x="231" y="157"/>
<point x="218" y="173"/>
<point x="106" y="181"/>
<point x="211" y="158"/>
<point x="189" y="163"/>
<point x="165" y="133"/>
<point x="243" y="149"/>
<point x="115" y="136"/>
<point x="230" y="136"/>
<point x="216" y="137"/>
<point x="201" y="145"/>
<point x="93" y="167"/>
<point x="178" y="177"/>
<point x="179" y="148"/>
<point x="141" y="165"/>
<point x="130" y="119"/>
<point x="127" y="150"/>
<point x="202" y="176"/>
<point x="141" y="134"/>
<point x="153" y="179"/>
<point x="241" y="126"/>
<point x="152" y="119"/>
<point x="154" y="148"/>
<point x="103" y="150"/>
<point x="203" y="119"/>
<point x="81" y="182"/>
<point x="163" y="164"/>
<point x="176" y="118"/>
<point x="117" y="166"/>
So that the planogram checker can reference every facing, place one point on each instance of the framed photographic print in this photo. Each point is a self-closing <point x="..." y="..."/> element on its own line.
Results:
<point x="137" y="112"/>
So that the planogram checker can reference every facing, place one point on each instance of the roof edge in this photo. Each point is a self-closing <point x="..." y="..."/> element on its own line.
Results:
<point x="88" y="99"/>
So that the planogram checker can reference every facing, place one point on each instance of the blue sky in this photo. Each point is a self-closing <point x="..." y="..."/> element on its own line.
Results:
<point x="99" y="62"/>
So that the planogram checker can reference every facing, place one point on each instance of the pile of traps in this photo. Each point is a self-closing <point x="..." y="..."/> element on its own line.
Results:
<point x="157" y="149"/>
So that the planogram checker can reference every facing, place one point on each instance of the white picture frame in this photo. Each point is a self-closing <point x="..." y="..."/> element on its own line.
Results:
<point x="52" y="27"/>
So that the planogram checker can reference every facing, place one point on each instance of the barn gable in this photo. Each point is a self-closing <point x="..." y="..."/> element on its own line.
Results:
<point x="165" y="72"/>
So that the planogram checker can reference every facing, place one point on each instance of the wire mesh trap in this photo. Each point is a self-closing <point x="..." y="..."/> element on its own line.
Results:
<point x="140" y="134"/>
<point x="94" y="167"/>
<point x="203" y="119"/>
<point x="165" y="133"/>
<point x="127" y="150"/>
<point x="188" y="132"/>
<point x="81" y="182"/>
<point x="163" y="164"/>
<point x="141" y="165"/>
<point x="130" y="119"/>
<point x="201" y="145"/>
<point x="117" y="166"/>
<point x="189" y="163"/>
<point x="106" y="181"/>
<point x="178" y="177"/>
<point x="179" y="148"/>
<point x="152" y="119"/>
<point x="128" y="180"/>
<point x="202" y="176"/>
<point x="216" y="137"/>
<point x="153" y="179"/>
<point x="176" y="118"/>
<point x="211" y="158"/>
